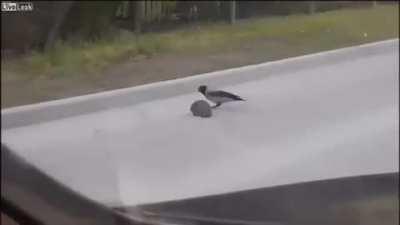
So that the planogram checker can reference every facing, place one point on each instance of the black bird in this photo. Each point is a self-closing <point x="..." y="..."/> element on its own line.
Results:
<point x="218" y="97"/>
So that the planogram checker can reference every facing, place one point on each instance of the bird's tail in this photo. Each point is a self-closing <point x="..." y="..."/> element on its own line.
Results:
<point x="239" y="99"/>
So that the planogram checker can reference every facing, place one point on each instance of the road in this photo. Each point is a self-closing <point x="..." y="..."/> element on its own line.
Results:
<point x="316" y="122"/>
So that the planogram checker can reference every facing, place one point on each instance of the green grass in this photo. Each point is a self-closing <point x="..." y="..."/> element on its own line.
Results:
<point x="320" y="31"/>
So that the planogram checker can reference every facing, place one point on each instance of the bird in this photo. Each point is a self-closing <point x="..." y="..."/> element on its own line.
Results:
<point x="218" y="97"/>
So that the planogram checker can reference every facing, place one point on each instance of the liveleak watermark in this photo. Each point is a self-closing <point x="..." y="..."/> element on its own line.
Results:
<point x="16" y="6"/>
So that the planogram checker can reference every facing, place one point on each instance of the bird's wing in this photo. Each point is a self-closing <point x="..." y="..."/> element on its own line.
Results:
<point x="224" y="94"/>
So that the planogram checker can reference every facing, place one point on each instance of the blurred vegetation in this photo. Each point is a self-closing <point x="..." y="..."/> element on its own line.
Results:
<point x="91" y="43"/>
<point x="91" y="20"/>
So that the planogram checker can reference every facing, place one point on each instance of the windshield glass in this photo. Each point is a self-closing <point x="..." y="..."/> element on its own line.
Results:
<point x="214" y="112"/>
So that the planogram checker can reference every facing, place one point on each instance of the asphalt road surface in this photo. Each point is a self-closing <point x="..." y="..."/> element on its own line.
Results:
<point x="318" y="122"/>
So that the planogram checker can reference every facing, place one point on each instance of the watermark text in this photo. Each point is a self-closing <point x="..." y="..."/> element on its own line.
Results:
<point x="16" y="6"/>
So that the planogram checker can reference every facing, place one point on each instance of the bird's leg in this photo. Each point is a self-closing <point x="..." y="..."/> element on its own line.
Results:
<point x="216" y="105"/>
